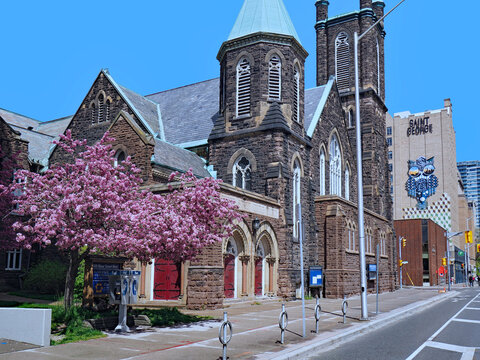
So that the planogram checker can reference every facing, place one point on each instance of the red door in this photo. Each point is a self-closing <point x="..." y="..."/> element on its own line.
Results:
<point x="166" y="280"/>
<point x="258" y="276"/>
<point x="229" y="276"/>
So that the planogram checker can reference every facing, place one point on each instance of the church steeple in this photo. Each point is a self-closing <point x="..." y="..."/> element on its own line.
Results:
<point x="263" y="16"/>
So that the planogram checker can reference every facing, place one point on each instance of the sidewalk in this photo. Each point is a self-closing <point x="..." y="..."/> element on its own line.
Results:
<point x="256" y="333"/>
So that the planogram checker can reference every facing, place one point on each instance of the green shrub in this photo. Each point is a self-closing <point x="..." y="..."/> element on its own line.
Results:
<point x="46" y="277"/>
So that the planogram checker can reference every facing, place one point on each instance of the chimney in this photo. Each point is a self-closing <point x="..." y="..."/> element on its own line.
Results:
<point x="365" y="4"/>
<point x="322" y="10"/>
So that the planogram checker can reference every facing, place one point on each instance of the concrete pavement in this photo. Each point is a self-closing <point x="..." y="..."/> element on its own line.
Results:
<point x="256" y="333"/>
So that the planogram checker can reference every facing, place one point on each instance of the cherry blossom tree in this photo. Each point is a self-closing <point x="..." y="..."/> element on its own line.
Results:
<point x="92" y="206"/>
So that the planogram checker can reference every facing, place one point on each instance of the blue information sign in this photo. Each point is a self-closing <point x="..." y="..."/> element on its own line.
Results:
<point x="316" y="276"/>
<point x="100" y="277"/>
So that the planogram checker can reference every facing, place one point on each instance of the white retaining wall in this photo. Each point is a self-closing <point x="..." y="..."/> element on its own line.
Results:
<point x="26" y="325"/>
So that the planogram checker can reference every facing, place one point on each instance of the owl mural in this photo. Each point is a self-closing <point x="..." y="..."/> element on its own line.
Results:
<point x="421" y="182"/>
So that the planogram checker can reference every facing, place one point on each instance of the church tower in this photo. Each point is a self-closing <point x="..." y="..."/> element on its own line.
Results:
<point x="335" y="57"/>
<point x="258" y="141"/>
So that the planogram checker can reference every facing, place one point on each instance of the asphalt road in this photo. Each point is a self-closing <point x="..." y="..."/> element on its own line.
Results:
<point x="447" y="330"/>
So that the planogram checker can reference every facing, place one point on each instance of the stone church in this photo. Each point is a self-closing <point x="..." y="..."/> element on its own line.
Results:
<point x="278" y="148"/>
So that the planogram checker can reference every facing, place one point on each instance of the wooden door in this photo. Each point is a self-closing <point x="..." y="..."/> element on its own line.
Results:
<point x="167" y="282"/>
<point x="258" y="276"/>
<point x="229" y="276"/>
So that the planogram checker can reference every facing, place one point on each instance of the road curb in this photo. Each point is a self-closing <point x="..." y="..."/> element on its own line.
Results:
<point x="299" y="351"/>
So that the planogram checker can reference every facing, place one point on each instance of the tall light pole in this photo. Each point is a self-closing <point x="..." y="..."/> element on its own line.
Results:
<point x="467" y="253"/>
<point x="361" y="228"/>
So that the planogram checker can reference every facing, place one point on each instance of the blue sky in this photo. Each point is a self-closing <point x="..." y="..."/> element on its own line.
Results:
<point x="52" y="51"/>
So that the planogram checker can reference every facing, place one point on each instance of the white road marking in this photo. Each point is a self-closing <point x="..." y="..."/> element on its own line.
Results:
<point x="470" y="308"/>
<point x="467" y="321"/>
<point x="430" y="339"/>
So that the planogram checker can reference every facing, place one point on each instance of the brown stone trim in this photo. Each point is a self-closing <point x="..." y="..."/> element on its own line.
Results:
<point x="205" y="267"/>
<point x="322" y="198"/>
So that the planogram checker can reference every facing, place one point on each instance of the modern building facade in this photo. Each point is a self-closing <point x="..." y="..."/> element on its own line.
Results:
<point x="470" y="173"/>
<point x="277" y="146"/>
<point x="423" y="250"/>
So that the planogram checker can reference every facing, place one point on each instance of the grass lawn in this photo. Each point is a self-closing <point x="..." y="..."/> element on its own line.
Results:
<point x="34" y="295"/>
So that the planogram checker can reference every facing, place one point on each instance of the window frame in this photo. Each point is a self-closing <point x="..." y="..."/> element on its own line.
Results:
<point x="11" y="260"/>
<point x="243" y="96"/>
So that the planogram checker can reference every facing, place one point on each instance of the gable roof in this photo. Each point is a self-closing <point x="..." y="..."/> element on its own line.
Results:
<point x="266" y="16"/>
<point x="39" y="144"/>
<point x="145" y="110"/>
<point x="189" y="112"/>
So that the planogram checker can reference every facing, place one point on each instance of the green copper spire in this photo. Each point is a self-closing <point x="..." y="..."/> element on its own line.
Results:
<point x="268" y="16"/>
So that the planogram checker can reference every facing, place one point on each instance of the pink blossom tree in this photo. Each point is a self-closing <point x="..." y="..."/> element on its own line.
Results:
<point x="91" y="206"/>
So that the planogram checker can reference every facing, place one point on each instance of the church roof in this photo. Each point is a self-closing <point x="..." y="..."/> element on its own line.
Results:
<point x="267" y="16"/>
<point x="178" y="159"/>
<point x="189" y="112"/>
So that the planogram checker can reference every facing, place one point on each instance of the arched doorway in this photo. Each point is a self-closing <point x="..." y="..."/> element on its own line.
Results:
<point x="264" y="262"/>
<point x="230" y="260"/>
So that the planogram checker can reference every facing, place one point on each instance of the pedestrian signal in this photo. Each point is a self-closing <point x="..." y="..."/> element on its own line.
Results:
<point x="444" y="261"/>
<point x="463" y="265"/>
<point x="468" y="237"/>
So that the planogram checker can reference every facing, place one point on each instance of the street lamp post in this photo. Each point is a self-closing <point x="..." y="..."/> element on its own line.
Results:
<point x="467" y="254"/>
<point x="361" y="229"/>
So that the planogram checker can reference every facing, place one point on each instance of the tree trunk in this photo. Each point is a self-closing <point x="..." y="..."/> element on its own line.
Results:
<point x="73" y="264"/>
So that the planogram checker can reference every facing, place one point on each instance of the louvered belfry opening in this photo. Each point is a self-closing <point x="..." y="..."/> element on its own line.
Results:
<point x="274" y="78"/>
<point x="342" y="61"/>
<point x="296" y="95"/>
<point x="243" y="87"/>
<point x="101" y="107"/>
<point x="107" y="110"/>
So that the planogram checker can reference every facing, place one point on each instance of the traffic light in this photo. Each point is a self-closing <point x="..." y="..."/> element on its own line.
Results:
<point x="468" y="237"/>
<point x="463" y="265"/>
<point x="444" y="261"/>
<point x="404" y="242"/>
<point x="400" y="263"/>
<point x="478" y="248"/>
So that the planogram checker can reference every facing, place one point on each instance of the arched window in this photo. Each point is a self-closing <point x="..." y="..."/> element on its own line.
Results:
<point x="92" y="113"/>
<point x="351" y="118"/>
<point x="101" y="108"/>
<point x="296" y="95"/>
<point x="351" y="229"/>
<point x="242" y="173"/>
<point x="119" y="157"/>
<point x="108" y="105"/>
<point x="378" y="69"/>
<point x="275" y="78"/>
<point x="342" y="61"/>
<point x="243" y="87"/>
<point x="335" y="167"/>
<point x="296" y="197"/>
<point x="322" y="172"/>
<point x="347" y="184"/>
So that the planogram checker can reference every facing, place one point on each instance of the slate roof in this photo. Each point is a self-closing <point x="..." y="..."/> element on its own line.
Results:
<point x="176" y="158"/>
<point x="188" y="112"/>
<point x="145" y="107"/>
<point x="38" y="144"/>
<point x="54" y="127"/>
<point x="312" y="98"/>
<point x="267" y="16"/>
<point x="16" y="119"/>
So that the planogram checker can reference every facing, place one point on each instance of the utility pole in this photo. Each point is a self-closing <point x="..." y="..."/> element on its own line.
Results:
<point x="361" y="227"/>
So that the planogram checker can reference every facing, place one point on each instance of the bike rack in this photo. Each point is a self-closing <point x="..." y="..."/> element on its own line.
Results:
<point x="283" y="323"/>
<point x="318" y="310"/>
<point x="225" y="334"/>
<point x="344" y="308"/>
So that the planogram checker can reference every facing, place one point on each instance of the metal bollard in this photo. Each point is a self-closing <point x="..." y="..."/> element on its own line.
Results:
<point x="318" y="310"/>
<point x="224" y="334"/>
<point x="283" y="323"/>
<point x="344" y="308"/>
